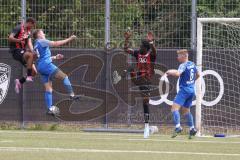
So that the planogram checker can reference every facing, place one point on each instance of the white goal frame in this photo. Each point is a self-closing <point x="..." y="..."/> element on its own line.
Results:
<point x="200" y="22"/>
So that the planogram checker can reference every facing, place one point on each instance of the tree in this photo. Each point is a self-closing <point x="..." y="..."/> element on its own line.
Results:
<point x="169" y="20"/>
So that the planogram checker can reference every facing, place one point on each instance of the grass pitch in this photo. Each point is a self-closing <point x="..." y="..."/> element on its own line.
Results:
<point x="35" y="145"/>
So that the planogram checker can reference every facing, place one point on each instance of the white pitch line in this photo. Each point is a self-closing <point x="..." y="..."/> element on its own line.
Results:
<point x="6" y="141"/>
<point x="74" y="150"/>
<point x="183" y="141"/>
<point x="71" y="133"/>
<point x="159" y="140"/>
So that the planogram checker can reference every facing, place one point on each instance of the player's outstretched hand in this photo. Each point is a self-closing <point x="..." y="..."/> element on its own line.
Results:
<point x="150" y="37"/>
<point x="59" y="56"/>
<point x="73" y="37"/>
<point x="172" y="72"/>
<point x="127" y="34"/>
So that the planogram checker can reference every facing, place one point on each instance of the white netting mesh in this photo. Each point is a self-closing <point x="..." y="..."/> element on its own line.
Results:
<point x="221" y="55"/>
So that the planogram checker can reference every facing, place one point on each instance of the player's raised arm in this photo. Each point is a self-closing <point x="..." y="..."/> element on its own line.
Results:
<point x="62" y="42"/>
<point x="127" y="36"/>
<point x="150" y="39"/>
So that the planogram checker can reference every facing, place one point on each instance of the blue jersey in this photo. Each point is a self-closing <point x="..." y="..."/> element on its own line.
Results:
<point x="41" y="46"/>
<point x="44" y="63"/>
<point x="187" y="79"/>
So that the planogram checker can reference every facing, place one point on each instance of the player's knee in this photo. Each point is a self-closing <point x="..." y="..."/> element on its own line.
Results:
<point x="48" y="87"/>
<point x="60" y="75"/>
<point x="145" y="100"/>
<point x="175" y="107"/>
<point x="34" y="72"/>
<point x="63" y="76"/>
<point x="185" y="111"/>
<point x="28" y="56"/>
<point x="35" y="57"/>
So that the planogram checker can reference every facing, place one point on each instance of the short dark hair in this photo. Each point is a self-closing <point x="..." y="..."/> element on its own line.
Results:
<point x="31" y="20"/>
<point x="146" y="44"/>
<point x="35" y="33"/>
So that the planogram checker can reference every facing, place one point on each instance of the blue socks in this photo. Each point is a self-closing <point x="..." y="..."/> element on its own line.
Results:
<point x="48" y="99"/>
<point x="176" y="118"/>
<point x="67" y="85"/>
<point x="189" y="118"/>
<point x="48" y="94"/>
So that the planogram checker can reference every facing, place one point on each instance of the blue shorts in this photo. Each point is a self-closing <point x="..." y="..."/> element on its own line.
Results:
<point x="184" y="98"/>
<point x="47" y="71"/>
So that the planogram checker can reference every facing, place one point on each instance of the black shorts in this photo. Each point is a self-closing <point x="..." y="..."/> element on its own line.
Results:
<point x="17" y="54"/>
<point x="144" y="85"/>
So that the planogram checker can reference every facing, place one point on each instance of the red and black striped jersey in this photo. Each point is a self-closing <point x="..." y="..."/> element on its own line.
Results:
<point x="20" y="33"/>
<point x="145" y="62"/>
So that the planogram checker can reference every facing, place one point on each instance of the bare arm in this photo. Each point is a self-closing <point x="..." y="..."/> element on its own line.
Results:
<point x="12" y="39"/>
<point x="153" y="48"/>
<point x="30" y="45"/>
<point x="127" y="35"/>
<point x="150" y="38"/>
<point x="173" y="72"/>
<point x="176" y="73"/>
<point x="61" y="42"/>
<point x="57" y="57"/>
<point x="197" y="75"/>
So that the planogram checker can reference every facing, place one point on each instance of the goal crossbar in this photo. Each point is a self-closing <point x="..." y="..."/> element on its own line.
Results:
<point x="219" y="20"/>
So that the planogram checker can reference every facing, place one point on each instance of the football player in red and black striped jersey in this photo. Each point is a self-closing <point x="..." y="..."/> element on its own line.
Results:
<point x="21" y="48"/>
<point x="143" y="72"/>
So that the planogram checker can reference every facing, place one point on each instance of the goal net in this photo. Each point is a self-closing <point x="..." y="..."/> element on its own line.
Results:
<point x="218" y="59"/>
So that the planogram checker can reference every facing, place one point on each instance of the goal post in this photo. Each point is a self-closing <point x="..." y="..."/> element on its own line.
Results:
<point x="218" y="89"/>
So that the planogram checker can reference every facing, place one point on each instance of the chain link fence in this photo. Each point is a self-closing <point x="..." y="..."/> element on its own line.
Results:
<point x="169" y="20"/>
<point x="61" y="18"/>
<point x="10" y="16"/>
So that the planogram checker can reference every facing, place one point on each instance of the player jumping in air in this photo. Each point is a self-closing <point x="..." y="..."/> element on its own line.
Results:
<point x="21" y="48"/>
<point x="48" y="70"/>
<point x="188" y="74"/>
<point x="142" y="74"/>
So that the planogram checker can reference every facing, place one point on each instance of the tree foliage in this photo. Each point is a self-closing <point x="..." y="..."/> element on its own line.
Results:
<point x="169" y="20"/>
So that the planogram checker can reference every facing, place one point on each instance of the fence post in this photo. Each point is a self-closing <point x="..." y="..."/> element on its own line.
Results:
<point x="107" y="46"/>
<point x="107" y="24"/>
<point x="23" y="10"/>
<point x="194" y="26"/>
<point x="23" y="18"/>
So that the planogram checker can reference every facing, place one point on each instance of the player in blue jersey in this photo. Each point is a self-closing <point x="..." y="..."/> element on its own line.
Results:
<point x="188" y="74"/>
<point x="48" y="70"/>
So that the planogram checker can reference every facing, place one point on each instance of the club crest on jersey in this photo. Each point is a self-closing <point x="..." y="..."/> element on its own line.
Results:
<point x="5" y="73"/>
<point x="143" y="59"/>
